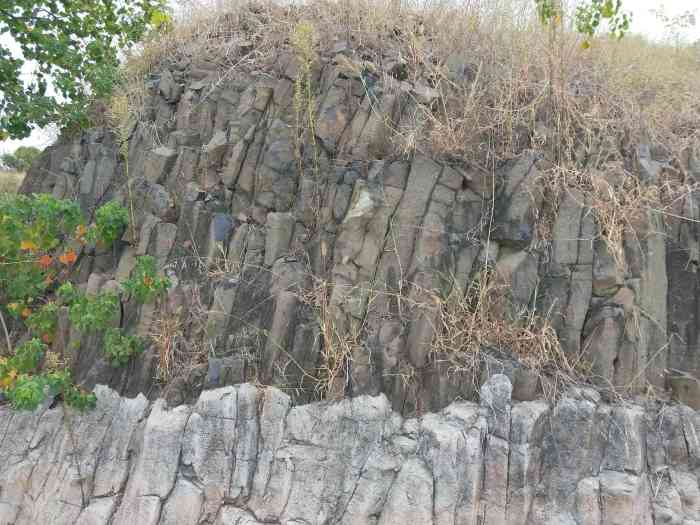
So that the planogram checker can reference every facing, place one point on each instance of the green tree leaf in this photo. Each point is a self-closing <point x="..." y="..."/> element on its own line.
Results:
<point x="75" y="45"/>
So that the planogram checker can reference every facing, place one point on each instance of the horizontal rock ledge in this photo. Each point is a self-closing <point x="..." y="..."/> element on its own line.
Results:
<point x="244" y="455"/>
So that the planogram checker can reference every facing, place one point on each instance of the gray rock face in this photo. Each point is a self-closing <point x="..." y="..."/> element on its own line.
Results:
<point x="319" y="266"/>
<point x="244" y="455"/>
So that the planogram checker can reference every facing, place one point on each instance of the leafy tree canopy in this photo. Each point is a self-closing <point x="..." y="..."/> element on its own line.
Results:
<point x="21" y="159"/>
<point x="74" y="45"/>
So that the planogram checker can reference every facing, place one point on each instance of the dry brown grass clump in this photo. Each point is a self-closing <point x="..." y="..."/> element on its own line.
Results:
<point x="166" y="334"/>
<point x="623" y="205"/>
<point x="480" y="320"/>
<point x="504" y="82"/>
<point x="234" y="34"/>
<point x="336" y="343"/>
<point x="10" y="181"/>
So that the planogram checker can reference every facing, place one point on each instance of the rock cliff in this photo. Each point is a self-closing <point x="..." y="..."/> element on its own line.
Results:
<point x="359" y="331"/>
<point x="245" y="455"/>
<point x="320" y="265"/>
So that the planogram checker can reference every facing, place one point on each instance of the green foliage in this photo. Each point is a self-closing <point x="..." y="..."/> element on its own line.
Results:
<point x="26" y="390"/>
<point x="110" y="222"/>
<point x="34" y="231"/>
<point x="76" y="45"/>
<point x="144" y="284"/>
<point x="93" y="312"/>
<point x="21" y="159"/>
<point x="119" y="348"/>
<point x="76" y="397"/>
<point x="44" y="320"/>
<point x="26" y="359"/>
<point x="588" y="16"/>
<point x="30" y="228"/>
<point x="547" y="10"/>
<point x="26" y="393"/>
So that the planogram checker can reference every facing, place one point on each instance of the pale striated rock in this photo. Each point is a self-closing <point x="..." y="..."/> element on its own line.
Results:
<point x="241" y="455"/>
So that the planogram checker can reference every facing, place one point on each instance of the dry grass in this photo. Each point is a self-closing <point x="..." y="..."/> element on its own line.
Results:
<point x="224" y="34"/>
<point x="166" y="334"/>
<point x="178" y="337"/>
<point x="620" y="202"/>
<point x="336" y="345"/>
<point x="480" y="319"/>
<point x="504" y="82"/>
<point x="10" y="181"/>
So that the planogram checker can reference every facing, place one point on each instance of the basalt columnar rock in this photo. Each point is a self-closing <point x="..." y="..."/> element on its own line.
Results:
<point x="246" y="455"/>
<point x="310" y="258"/>
<point x="314" y="265"/>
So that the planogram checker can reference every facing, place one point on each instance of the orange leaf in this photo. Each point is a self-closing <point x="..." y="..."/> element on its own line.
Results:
<point x="80" y="231"/>
<point x="68" y="258"/>
<point x="147" y="281"/>
<point x="28" y="246"/>
<point x="45" y="261"/>
<point x="48" y="279"/>
<point x="47" y="338"/>
<point x="26" y="312"/>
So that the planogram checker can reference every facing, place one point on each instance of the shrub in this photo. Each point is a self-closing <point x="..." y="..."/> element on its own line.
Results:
<point x="34" y="231"/>
<point x="31" y="228"/>
<point x="21" y="159"/>
<point x="26" y="388"/>
<point x="93" y="312"/>
<point x="144" y="284"/>
<point x="119" y="348"/>
<point x="43" y="321"/>
<point x="110" y="222"/>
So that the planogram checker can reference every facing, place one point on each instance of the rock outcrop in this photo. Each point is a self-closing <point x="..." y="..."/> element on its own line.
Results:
<point x="246" y="455"/>
<point x="304" y="366"/>
<point x="312" y="265"/>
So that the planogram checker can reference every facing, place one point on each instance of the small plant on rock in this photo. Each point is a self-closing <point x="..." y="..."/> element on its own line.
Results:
<point x="144" y="284"/>
<point x="40" y="240"/>
<point x="110" y="222"/>
<point x="304" y="102"/>
<point x="43" y="321"/>
<point x="119" y="348"/>
<point x="93" y="312"/>
<point x="26" y="388"/>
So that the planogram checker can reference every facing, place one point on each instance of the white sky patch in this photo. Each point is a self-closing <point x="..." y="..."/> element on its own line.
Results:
<point x="643" y="21"/>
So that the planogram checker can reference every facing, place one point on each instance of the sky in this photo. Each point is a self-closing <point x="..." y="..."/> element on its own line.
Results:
<point x="643" y="21"/>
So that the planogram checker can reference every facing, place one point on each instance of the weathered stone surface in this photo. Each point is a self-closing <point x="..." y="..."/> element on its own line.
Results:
<point x="518" y="201"/>
<point x="169" y="88"/>
<point x="280" y="229"/>
<point x="242" y="455"/>
<point x="227" y="191"/>
<point x="158" y="164"/>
